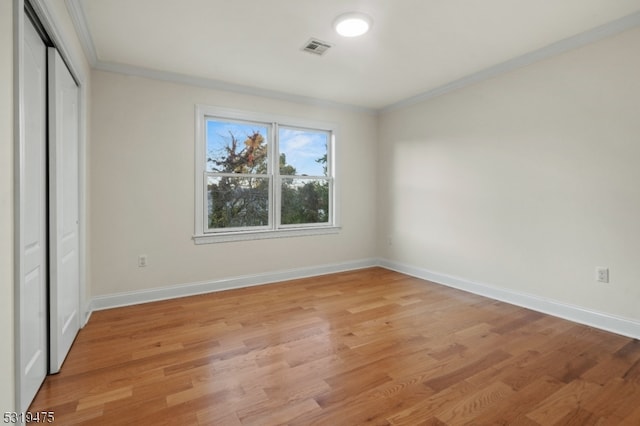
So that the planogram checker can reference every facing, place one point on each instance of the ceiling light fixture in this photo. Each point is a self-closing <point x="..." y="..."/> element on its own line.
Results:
<point x="352" y="24"/>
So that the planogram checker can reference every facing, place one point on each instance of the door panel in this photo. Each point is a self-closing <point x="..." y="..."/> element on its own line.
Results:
<point x="64" y="210"/>
<point x="33" y="282"/>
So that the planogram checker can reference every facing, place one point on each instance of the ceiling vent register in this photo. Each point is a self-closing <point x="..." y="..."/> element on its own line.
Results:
<point x="315" y="46"/>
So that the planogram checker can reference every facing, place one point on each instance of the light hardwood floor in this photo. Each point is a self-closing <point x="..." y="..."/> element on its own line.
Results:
<point x="363" y="347"/>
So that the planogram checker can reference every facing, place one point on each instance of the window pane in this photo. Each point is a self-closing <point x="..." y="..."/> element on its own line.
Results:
<point x="236" y="147"/>
<point x="303" y="152"/>
<point x="237" y="202"/>
<point x="305" y="201"/>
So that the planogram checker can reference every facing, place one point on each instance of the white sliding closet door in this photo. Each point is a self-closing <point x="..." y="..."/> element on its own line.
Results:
<point x="64" y="286"/>
<point x="33" y="208"/>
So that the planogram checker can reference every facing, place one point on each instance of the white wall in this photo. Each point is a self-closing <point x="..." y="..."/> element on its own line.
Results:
<point x="6" y="208"/>
<point x="142" y="184"/>
<point x="525" y="182"/>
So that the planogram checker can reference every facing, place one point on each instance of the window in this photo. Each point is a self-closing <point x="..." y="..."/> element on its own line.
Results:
<point x="259" y="176"/>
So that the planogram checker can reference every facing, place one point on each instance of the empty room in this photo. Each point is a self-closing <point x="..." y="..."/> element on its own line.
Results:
<point x="341" y="212"/>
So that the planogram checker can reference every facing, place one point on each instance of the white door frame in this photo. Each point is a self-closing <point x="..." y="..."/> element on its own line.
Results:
<point x="18" y="174"/>
<point x="49" y="23"/>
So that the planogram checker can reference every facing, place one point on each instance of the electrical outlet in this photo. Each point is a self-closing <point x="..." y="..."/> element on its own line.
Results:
<point x="142" y="260"/>
<point x="602" y="274"/>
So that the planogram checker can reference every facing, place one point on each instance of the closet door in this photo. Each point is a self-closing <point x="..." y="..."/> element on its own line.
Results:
<point x="64" y="286"/>
<point x="33" y="219"/>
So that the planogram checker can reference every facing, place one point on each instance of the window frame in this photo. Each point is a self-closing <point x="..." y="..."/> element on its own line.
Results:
<point x="204" y="235"/>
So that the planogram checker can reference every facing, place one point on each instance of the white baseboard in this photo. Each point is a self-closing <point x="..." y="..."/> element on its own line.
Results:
<point x="191" y="289"/>
<point x="87" y="310"/>
<point x="603" y="321"/>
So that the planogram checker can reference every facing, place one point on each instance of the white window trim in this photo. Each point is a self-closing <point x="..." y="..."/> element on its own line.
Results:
<point x="201" y="236"/>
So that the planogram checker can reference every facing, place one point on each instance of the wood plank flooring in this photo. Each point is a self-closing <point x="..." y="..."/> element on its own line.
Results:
<point x="364" y="347"/>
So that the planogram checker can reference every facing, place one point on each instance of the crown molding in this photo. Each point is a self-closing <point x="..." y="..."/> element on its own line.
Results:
<point x="590" y="36"/>
<point x="208" y="83"/>
<point x="79" y="19"/>
<point x="78" y="16"/>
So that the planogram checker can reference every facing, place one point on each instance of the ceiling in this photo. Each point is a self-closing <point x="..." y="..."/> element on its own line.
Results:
<point x="415" y="47"/>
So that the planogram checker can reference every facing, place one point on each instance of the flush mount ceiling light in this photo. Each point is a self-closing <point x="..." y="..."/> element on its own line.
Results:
<point x="352" y="24"/>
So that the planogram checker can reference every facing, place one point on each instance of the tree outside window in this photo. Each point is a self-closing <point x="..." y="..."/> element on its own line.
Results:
<point x="247" y="190"/>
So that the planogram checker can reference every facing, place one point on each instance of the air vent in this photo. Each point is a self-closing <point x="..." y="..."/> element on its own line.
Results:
<point x="316" y="46"/>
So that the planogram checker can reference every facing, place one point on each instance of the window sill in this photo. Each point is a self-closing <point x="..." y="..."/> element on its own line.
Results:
<point x="224" y="237"/>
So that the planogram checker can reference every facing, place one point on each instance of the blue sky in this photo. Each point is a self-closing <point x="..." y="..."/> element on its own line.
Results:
<point x="302" y="147"/>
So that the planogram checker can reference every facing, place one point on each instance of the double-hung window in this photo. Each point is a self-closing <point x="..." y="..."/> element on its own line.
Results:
<point x="262" y="176"/>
